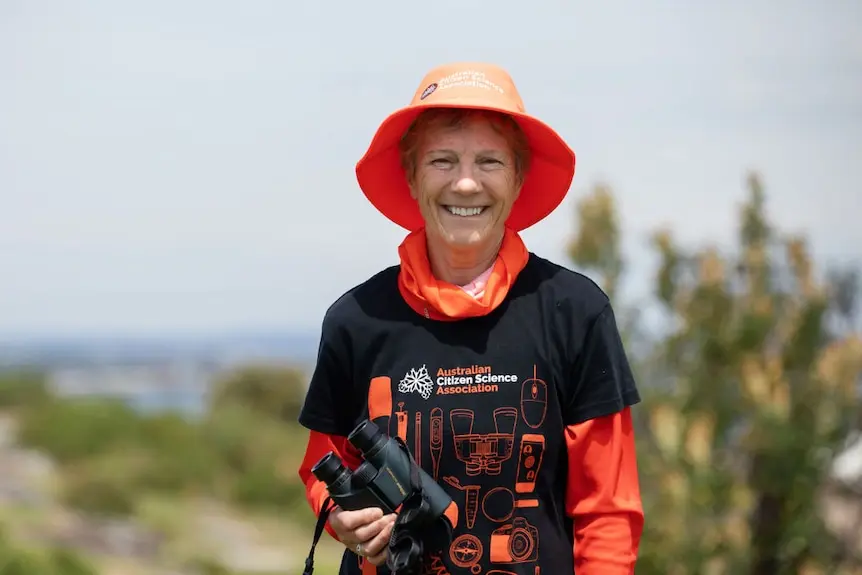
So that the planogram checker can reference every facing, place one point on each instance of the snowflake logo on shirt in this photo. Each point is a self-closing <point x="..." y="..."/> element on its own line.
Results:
<point x="417" y="381"/>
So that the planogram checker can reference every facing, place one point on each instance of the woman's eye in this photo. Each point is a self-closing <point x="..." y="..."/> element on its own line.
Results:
<point x="442" y="162"/>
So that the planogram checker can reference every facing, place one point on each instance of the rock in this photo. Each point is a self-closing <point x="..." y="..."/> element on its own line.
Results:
<point x="240" y="546"/>
<point x="8" y="430"/>
<point x="108" y="537"/>
<point x="24" y="477"/>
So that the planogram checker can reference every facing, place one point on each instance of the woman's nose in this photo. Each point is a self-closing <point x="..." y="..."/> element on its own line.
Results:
<point x="466" y="185"/>
<point x="466" y="182"/>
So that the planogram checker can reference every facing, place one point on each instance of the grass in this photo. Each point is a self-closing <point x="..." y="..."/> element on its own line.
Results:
<point x="211" y="488"/>
<point x="184" y="521"/>
<point x="181" y="520"/>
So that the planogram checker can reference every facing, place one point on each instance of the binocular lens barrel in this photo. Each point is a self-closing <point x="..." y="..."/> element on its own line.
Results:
<point x="366" y="436"/>
<point x="329" y="468"/>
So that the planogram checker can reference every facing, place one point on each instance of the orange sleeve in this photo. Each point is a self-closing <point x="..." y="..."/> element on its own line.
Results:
<point x="603" y="495"/>
<point x="318" y="446"/>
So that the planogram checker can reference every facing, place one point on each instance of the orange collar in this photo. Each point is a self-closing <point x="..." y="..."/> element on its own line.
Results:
<point x="444" y="301"/>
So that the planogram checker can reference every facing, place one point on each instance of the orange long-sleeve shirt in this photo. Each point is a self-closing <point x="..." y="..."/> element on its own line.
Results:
<point x="319" y="444"/>
<point x="603" y="494"/>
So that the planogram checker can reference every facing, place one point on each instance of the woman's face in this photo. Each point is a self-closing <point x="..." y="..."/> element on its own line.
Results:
<point x="465" y="181"/>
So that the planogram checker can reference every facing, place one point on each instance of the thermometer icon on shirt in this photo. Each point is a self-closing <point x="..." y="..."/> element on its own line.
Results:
<point x="436" y="439"/>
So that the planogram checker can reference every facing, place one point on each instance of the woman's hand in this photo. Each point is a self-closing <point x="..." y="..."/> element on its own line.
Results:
<point x="365" y="531"/>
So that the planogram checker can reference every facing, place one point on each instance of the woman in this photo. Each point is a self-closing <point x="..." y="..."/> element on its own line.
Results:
<point x="503" y="372"/>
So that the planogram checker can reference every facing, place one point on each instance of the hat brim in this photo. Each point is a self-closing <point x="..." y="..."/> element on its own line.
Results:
<point x="547" y="182"/>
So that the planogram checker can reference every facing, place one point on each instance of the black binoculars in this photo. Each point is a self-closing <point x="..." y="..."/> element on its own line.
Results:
<point x="389" y="478"/>
<point x="382" y="480"/>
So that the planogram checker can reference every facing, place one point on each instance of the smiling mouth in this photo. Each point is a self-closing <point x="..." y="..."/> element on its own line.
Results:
<point x="465" y="212"/>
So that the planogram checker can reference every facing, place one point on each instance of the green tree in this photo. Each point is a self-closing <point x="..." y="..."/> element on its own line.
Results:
<point x="754" y="394"/>
<point x="23" y="389"/>
<point x="74" y="429"/>
<point x="596" y="249"/>
<point x="596" y="246"/>
<point x="271" y="391"/>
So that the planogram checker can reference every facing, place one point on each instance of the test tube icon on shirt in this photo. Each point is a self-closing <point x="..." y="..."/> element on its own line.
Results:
<point x="472" y="499"/>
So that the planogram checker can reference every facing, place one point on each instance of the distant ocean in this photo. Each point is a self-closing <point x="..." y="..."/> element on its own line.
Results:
<point x="152" y="374"/>
<point x="47" y="351"/>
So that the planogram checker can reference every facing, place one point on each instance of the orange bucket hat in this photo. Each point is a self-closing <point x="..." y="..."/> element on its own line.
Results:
<point x="472" y="86"/>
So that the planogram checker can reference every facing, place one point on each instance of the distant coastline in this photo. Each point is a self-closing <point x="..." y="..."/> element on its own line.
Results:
<point x="51" y="351"/>
<point x="151" y="373"/>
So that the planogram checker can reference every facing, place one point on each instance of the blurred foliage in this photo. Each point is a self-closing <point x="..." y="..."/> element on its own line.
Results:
<point x="596" y="245"/>
<point x="754" y="395"/>
<point x="23" y="388"/>
<point x="19" y="561"/>
<point x="277" y="392"/>
<point x="245" y="449"/>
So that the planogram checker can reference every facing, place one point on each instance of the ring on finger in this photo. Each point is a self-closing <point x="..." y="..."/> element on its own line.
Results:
<point x="359" y="549"/>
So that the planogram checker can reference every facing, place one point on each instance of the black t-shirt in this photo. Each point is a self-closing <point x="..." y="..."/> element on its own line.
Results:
<point x="482" y="402"/>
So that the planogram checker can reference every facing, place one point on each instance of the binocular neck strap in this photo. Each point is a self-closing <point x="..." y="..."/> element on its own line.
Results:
<point x="328" y="505"/>
<point x="318" y="531"/>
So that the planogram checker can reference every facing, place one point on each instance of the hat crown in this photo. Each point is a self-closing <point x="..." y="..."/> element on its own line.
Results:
<point x="466" y="82"/>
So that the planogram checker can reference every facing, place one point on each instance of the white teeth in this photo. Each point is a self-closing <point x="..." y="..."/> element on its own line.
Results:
<point x="464" y="211"/>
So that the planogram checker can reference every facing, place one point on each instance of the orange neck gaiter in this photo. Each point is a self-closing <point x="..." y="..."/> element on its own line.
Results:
<point x="444" y="301"/>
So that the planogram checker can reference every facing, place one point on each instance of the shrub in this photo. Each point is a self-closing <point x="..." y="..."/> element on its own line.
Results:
<point x="23" y="389"/>
<point x="275" y="392"/>
<point x="70" y="430"/>
<point x="250" y="450"/>
<point x="105" y="486"/>
<point x="111" y="455"/>
<point x="66" y="562"/>
<point x="16" y="561"/>
<point x="181" y="455"/>
<point x="262" y="487"/>
<point x="241" y="439"/>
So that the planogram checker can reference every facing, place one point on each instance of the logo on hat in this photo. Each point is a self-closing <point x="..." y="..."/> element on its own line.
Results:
<point x="428" y="91"/>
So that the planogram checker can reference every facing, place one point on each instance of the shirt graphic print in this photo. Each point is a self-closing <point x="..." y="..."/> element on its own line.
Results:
<point x="479" y="433"/>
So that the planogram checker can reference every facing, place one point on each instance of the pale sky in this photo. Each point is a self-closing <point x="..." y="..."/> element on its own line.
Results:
<point x="185" y="166"/>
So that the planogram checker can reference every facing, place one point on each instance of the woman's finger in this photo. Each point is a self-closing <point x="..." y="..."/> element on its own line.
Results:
<point x="347" y="521"/>
<point x="377" y="546"/>
<point x="367" y="532"/>
<point x="378" y="559"/>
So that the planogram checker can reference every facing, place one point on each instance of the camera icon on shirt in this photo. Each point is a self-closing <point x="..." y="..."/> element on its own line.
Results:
<point x="515" y="542"/>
